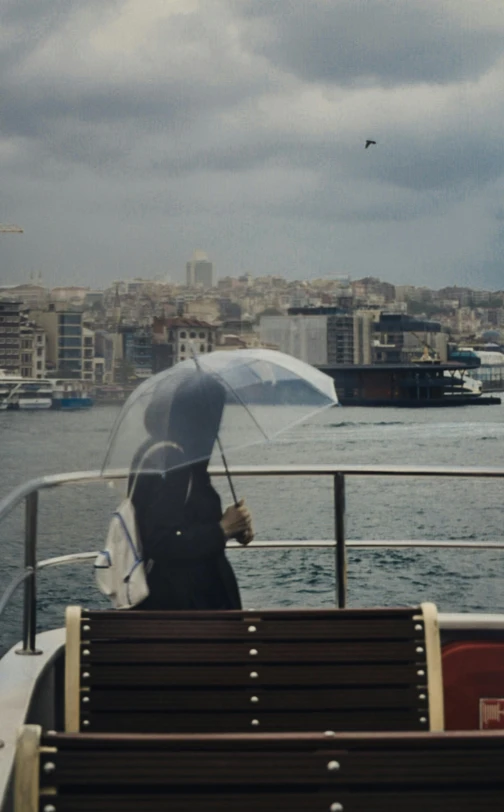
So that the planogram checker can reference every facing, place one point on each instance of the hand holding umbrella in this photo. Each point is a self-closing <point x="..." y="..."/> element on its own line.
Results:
<point x="237" y="523"/>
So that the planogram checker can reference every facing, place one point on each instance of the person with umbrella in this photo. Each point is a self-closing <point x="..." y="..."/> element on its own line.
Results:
<point x="165" y="435"/>
<point x="179" y="516"/>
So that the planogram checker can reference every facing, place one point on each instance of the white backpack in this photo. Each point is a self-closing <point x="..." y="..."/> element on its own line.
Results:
<point x="120" y="568"/>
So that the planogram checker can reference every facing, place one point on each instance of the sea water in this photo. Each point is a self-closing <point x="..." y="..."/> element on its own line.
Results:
<point x="75" y="518"/>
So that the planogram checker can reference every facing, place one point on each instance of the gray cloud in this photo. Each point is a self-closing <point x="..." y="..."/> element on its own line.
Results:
<point x="239" y="127"/>
<point x="351" y="41"/>
<point x="26" y="25"/>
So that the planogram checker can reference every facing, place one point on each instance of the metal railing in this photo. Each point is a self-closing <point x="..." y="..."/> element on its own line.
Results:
<point x="29" y="491"/>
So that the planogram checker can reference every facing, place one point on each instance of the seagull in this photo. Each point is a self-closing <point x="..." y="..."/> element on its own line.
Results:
<point x="368" y="143"/>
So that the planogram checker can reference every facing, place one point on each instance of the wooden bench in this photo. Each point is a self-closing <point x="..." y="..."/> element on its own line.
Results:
<point x="264" y="772"/>
<point x="270" y="671"/>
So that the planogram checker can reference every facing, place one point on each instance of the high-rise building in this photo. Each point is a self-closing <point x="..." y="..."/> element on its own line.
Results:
<point x="10" y="338"/>
<point x="199" y="271"/>
<point x="64" y="331"/>
<point x="340" y="339"/>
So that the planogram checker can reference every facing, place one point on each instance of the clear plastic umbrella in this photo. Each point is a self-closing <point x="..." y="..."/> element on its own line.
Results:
<point x="231" y="399"/>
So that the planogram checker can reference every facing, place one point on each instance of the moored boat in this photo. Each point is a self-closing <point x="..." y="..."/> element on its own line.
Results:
<point x="35" y="394"/>
<point x="28" y="394"/>
<point x="70" y="395"/>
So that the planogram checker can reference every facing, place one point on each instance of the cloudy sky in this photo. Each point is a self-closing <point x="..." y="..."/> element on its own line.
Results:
<point x="133" y="132"/>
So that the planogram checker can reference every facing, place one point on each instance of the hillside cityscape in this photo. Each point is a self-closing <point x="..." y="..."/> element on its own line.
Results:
<point x="122" y="334"/>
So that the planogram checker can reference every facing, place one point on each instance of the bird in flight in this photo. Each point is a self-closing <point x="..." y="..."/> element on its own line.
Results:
<point x="368" y="144"/>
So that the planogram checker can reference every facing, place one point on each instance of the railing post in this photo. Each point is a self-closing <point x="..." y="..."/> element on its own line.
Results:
<point x="30" y="585"/>
<point x="339" y="525"/>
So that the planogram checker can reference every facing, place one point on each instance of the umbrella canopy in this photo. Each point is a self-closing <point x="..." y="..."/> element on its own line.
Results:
<point x="239" y="398"/>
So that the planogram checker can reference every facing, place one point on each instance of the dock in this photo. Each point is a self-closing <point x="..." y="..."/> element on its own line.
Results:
<point x="418" y="385"/>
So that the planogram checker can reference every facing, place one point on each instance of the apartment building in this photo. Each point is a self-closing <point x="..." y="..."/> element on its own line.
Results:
<point x="65" y="346"/>
<point x="175" y="340"/>
<point x="10" y="336"/>
<point x="33" y="351"/>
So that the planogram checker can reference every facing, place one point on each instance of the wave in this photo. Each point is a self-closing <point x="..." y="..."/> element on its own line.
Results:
<point x="347" y="423"/>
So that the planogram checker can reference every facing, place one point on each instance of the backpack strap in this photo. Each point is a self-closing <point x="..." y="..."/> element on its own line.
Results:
<point x="151" y="450"/>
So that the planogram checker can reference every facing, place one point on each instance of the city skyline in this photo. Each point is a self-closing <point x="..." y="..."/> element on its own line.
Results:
<point x="200" y="280"/>
<point x="135" y="328"/>
<point x="133" y="134"/>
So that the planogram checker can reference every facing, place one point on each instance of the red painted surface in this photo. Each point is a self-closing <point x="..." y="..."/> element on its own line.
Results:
<point x="473" y="671"/>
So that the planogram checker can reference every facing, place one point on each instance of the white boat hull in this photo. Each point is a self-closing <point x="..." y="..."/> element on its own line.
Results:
<point x="35" y="404"/>
<point x="27" y="394"/>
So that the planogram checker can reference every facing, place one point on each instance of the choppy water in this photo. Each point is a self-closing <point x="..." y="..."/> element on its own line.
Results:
<point x="75" y="517"/>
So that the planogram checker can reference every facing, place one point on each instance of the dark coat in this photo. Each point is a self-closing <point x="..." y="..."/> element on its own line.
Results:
<point x="178" y="517"/>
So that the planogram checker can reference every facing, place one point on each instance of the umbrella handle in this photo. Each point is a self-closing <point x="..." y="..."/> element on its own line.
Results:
<point x="228" y="475"/>
<point x="240" y="538"/>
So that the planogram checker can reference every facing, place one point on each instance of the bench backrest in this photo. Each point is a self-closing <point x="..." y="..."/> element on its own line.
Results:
<point x="291" y="772"/>
<point x="268" y="671"/>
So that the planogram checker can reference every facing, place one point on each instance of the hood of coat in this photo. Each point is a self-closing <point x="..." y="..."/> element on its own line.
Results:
<point x="188" y="415"/>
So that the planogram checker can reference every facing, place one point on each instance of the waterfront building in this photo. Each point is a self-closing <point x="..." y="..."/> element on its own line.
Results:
<point x="88" y="355"/>
<point x="340" y="339"/>
<point x="104" y="352"/>
<point x="136" y="350"/>
<point x="303" y="336"/>
<point x="33" y="351"/>
<point x="10" y="336"/>
<point x="399" y="338"/>
<point x="64" y="331"/>
<point x="320" y="336"/>
<point x="420" y="384"/>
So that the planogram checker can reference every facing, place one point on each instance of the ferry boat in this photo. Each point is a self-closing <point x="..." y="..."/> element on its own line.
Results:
<point x="339" y="710"/>
<point x="34" y="394"/>
<point x="25" y="393"/>
<point x="70" y="395"/>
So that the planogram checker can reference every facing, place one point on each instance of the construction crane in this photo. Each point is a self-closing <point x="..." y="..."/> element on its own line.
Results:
<point x="9" y="229"/>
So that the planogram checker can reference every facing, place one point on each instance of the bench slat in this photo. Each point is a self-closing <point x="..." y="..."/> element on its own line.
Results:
<point x="159" y="722"/>
<point x="478" y="800"/>
<point x="252" y="700"/>
<point x="461" y="741"/>
<point x="241" y="615"/>
<point x="333" y="629"/>
<point x="273" y="766"/>
<point x="393" y="674"/>
<point x="326" y="652"/>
